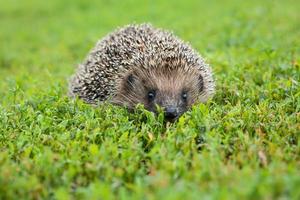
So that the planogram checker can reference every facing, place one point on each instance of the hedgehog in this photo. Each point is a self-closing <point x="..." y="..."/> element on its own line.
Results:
<point x="142" y="64"/>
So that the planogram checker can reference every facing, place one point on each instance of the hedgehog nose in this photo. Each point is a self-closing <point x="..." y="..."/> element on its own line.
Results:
<point x="171" y="113"/>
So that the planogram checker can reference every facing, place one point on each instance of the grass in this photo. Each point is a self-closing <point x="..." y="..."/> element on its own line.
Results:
<point x="243" y="144"/>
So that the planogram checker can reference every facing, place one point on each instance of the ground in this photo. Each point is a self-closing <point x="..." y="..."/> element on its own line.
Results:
<point x="243" y="144"/>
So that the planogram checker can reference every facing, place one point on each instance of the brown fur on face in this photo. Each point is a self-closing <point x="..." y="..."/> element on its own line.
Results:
<point x="173" y="87"/>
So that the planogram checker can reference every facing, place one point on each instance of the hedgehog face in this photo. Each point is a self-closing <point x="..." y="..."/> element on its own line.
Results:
<point x="173" y="90"/>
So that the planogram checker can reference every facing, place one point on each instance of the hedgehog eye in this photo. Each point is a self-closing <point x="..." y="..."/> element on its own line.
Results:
<point x="151" y="95"/>
<point x="184" y="95"/>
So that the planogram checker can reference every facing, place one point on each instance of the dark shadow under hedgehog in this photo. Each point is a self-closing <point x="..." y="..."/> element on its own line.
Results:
<point x="140" y="64"/>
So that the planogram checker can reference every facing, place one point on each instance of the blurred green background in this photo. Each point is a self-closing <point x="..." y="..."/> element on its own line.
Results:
<point x="42" y="39"/>
<point x="54" y="148"/>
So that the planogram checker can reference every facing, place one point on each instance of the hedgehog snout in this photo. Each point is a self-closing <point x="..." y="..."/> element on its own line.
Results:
<point x="171" y="113"/>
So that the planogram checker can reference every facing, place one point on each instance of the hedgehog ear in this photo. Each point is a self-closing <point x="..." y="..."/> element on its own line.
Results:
<point x="200" y="83"/>
<point x="130" y="80"/>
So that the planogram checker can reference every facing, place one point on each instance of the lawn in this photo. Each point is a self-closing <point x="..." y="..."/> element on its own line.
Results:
<point x="243" y="144"/>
